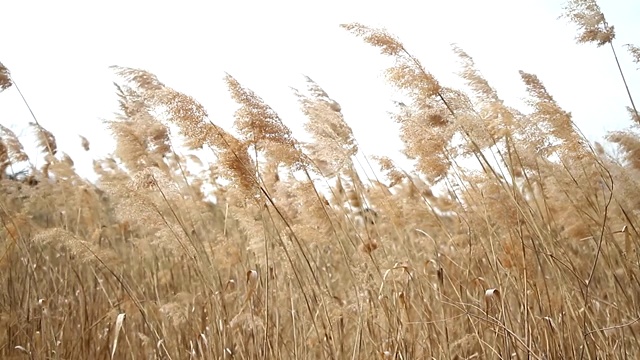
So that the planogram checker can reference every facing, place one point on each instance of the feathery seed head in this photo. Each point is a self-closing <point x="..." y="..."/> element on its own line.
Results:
<point x="379" y="38"/>
<point x="143" y="79"/>
<point x="5" y="78"/>
<point x="85" y="143"/>
<point x="13" y="145"/>
<point x="593" y="27"/>
<point x="262" y="128"/>
<point x="46" y="140"/>
<point x="333" y="141"/>
<point x="635" y="52"/>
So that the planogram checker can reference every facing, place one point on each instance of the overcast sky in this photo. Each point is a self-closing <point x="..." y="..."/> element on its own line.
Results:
<point x="59" y="54"/>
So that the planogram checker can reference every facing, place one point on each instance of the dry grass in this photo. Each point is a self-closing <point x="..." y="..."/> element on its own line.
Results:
<point x="533" y="256"/>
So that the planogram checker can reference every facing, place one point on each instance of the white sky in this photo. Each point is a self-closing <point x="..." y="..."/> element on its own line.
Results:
<point x="59" y="54"/>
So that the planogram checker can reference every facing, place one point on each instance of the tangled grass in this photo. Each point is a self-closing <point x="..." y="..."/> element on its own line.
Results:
<point x="534" y="255"/>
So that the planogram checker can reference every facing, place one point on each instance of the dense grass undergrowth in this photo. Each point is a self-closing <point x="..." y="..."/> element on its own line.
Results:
<point x="534" y="256"/>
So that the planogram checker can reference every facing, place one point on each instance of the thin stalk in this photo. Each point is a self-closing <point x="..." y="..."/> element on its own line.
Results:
<point x="624" y="80"/>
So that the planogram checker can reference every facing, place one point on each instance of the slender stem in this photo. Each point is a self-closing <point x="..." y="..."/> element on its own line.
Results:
<point x="25" y="101"/>
<point x="33" y="115"/>
<point x="633" y="105"/>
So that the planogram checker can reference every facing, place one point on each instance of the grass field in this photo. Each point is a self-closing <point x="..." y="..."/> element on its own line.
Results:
<point x="534" y="254"/>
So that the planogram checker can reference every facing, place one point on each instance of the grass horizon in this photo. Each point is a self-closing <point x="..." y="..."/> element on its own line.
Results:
<point x="531" y="254"/>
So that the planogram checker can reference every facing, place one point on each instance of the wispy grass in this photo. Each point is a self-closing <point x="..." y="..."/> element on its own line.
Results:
<point x="531" y="254"/>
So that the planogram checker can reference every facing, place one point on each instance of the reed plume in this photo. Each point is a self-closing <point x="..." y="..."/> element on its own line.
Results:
<point x="513" y="236"/>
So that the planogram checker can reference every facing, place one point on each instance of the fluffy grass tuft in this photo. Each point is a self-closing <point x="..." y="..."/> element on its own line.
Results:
<point x="513" y="236"/>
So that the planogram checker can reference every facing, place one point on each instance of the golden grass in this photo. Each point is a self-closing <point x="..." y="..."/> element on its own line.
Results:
<point x="534" y="256"/>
